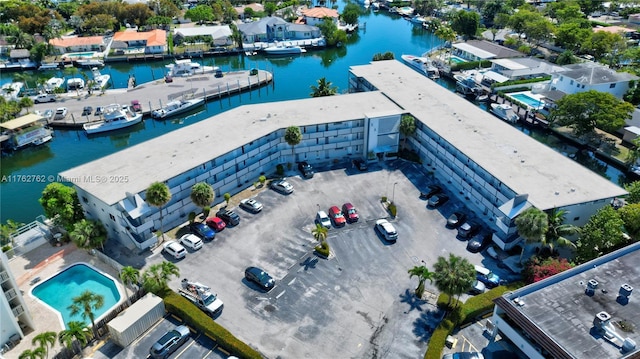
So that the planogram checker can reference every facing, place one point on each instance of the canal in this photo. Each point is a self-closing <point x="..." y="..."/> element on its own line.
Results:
<point x="293" y="77"/>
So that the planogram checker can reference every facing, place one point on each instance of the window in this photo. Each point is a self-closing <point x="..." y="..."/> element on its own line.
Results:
<point x="571" y="83"/>
<point x="113" y="218"/>
<point x="612" y="86"/>
<point x="85" y="199"/>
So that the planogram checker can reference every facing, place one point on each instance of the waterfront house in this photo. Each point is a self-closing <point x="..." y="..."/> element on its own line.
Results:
<point x="148" y="42"/>
<point x="591" y="76"/>
<point x="256" y="7"/>
<point x="625" y="32"/>
<point x="478" y="50"/>
<point x="219" y="35"/>
<point x="271" y="29"/>
<point x="67" y="44"/>
<point x="521" y="68"/>
<point x="316" y="15"/>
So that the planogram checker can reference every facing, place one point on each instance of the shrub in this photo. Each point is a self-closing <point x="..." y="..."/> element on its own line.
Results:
<point x="384" y="199"/>
<point x="262" y="179"/>
<point x="194" y="317"/>
<point x="6" y="248"/>
<point x="206" y="210"/>
<point x="393" y="209"/>
<point x="280" y="170"/>
<point x="192" y="217"/>
<point x="438" y="339"/>
<point x="537" y="269"/>
<point x="323" y="249"/>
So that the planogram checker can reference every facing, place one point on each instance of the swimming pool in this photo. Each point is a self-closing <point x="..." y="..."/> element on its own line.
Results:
<point x="58" y="291"/>
<point x="457" y="60"/>
<point x="528" y="100"/>
<point x="80" y="54"/>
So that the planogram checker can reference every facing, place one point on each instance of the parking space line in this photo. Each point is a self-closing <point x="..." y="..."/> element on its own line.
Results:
<point x="280" y="295"/>
<point x="135" y="342"/>
<point x="188" y="346"/>
<point x="292" y="281"/>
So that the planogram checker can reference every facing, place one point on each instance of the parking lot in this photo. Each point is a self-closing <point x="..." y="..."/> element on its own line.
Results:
<point x="357" y="304"/>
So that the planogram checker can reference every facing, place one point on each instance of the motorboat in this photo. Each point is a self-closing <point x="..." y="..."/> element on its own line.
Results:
<point x="418" y="20"/>
<point x="100" y="81"/>
<point x="504" y="112"/>
<point x="467" y="86"/>
<point x="90" y="63"/>
<point x="75" y="83"/>
<point x="42" y="140"/>
<point x="283" y="49"/>
<point x="187" y="68"/>
<point x="177" y="107"/>
<point x="53" y="83"/>
<point x="11" y="91"/>
<point x="423" y="65"/>
<point x="48" y="66"/>
<point x="114" y="117"/>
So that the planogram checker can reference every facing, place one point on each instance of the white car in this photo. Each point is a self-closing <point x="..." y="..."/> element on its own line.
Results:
<point x="251" y="205"/>
<point x="45" y="98"/>
<point x="387" y="230"/>
<point x="192" y="241"/>
<point x="323" y="219"/>
<point x="174" y="249"/>
<point x="61" y="113"/>
<point x="282" y="186"/>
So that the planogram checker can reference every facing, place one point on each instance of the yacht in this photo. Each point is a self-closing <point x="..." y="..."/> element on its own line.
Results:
<point x="90" y="63"/>
<point x="187" y="68"/>
<point x="418" y="20"/>
<point x="177" y="107"/>
<point x="114" y="117"/>
<point x="100" y="81"/>
<point x="422" y="64"/>
<point x="283" y="49"/>
<point x="504" y="112"/>
<point x="11" y="91"/>
<point x="467" y="86"/>
<point x="75" y="84"/>
<point x="53" y="83"/>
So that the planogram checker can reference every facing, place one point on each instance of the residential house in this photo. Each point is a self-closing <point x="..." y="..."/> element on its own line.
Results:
<point x="477" y="50"/>
<point x="148" y="42"/>
<point x="256" y="7"/>
<point x="520" y="68"/>
<point x="271" y="29"/>
<point x="316" y="15"/>
<point x="68" y="44"/>
<point x="591" y="76"/>
<point x="625" y="32"/>
<point x="218" y="35"/>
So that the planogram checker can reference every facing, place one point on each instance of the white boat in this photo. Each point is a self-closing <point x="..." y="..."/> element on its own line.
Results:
<point x="48" y="66"/>
<point x="42" y="140"/>
<point x="114" y="117"/>
<point x="283" y="49"/>
<point x="27" y="64"/>
<point x="100" y="81"/>
<point x="423" y="65"/>
<point x="177" y="107"/>
<point x="187" y="68"/>
<point x="75" y="83"/>
<point x="418" y="20"/>
<point x="504" y="112"/>
<point x="467" y="86"/>
<point x="53" y="83"/>
<point x="89" y="63"/>
<point x="11" y="91"/>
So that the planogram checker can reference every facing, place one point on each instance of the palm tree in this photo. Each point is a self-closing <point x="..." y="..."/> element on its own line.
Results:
<point x="77" y="332"/>
<point x="532" y="224"/>
<point x="158" y="195"/>
<point x="407" y="127"/>
<point x="549" y="229"/>
<point x="156" y="277"/>
<point x="37" y="353"/>
<point x="169" y="270"/>
<point x="324" y="88"/>
<point x="454" y="276"/>
<point x="85" y="303"/>
<point x="320" y="232"/>
<point x="44" y="340"/>
<point x="88" y="234"/>
<point x="293" y="136"/>
<point x="202" y="194"/>
<point x="423" y="273"/>
<point x="129" y="275"/>
<point x="558" y="230"/>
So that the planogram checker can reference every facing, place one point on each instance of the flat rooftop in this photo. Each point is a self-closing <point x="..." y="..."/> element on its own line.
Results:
<point x="517" y="160"/>
<point x="565" y="313"/>
<point x="170" y="155"/>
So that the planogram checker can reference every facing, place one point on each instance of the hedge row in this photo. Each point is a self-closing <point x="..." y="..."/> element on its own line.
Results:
<point x="520" y="82"/>
<point x="470" y="65"/>
<point x="194" y="317"/>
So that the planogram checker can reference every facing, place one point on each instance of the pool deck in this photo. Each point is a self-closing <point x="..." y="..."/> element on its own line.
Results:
<point x="44" y="262"/>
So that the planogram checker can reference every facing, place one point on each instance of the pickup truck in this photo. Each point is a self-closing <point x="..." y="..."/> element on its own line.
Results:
<point x="202" y="297"/>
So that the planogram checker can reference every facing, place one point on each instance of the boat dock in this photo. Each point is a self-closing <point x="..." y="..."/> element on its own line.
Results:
<point x="154" y="95"/>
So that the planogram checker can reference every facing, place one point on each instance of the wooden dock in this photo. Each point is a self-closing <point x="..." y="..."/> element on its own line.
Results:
<point x="153" y="95"/>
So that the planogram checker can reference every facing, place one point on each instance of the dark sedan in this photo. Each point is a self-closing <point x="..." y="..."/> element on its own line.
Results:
<point x="360" y="164"/>
<point x="479" y="242"/>
<point x="203" y="231"/>
<point x="438" y="200"/>
<point x="433" y="190"/>
<point x="468" y="229"/>
<point x="456" y="219"/>
<point x="231" y="218"/>
<point x="259" y="277"/>
<point x="306" y="169"/>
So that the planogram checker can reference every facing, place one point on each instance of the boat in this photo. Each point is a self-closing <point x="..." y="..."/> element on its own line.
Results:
<point x="504" y="112"/>
<point x="42" y="140"/>
<point x="99" y="81"/>
<point x="284" y="49"/>
<point x="53" y="83"/>
<point x="114" y="117"/>
<point x="187" y="68"/>
<point x="176" y="107"/>
<point x="422" y="64"/>
<point x="91" y="63"/>
<point x="48" y="66"/>
<point x="375" y="5"/>
<point x="75" y="83"/>
<point x="11" y="91"/>
<point x="467" y="86"/>
<point x="418" y="20"/>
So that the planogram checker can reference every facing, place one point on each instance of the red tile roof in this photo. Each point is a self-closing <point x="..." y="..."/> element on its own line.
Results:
<point x="154" y="37"/>
<point x="77" y="41"/>
<point x="320" y="12"/>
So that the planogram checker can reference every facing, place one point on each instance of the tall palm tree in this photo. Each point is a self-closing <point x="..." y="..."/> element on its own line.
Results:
<point x="293" y="137"/>
<point x="202" y="194"/>
<point x="156" y="277"/>
<point x="169" y="270"/>
<point x="454" y="276"/>
<point x="85" y="303"/>
<point x="158" y="195"/>
<point x="77" y="332"/>
<point x="407" y="128"/>
<point x="532" y="224"/>
<point x="88" y="234"/>
<point x="549" y="229"/>
<point x="423" y="273"/>
<point x="320" y="232"/>
<point x="324" y="88"/>
<point x="37" y="353"/>
<point x="558" y="230"/>
<point x="44" y="340"/>
<point x="129" y="275"/>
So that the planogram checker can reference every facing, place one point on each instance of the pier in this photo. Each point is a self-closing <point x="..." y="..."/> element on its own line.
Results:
<point x="154" y="95"/>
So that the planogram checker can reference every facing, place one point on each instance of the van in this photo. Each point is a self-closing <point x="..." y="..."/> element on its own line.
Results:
<point x="47" y="97"/>
<point x="487" y="277"/>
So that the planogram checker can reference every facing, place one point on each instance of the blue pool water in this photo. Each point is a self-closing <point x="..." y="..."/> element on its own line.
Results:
<point x="529" y="101"/>
<point x="457" y="59"/>
<point x="58" y="291"/>
<point x="80" y="54"/>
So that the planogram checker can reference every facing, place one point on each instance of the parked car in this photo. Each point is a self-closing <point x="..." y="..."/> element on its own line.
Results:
<point x="192" y="241"/>
<point x="437" y="200"/>
<point x="259" y="277"/>
<point x="387" y="230"/>
<point x="323" y="219"/>
<point x="456" y="219"/>
<point x="168" y="79"/>
<point x="350" y="212"/>
<point x="251" y="205"/>
<point x="478" y="287"/>
<point x="336" y="216"/>
<point x="135" y="104"/>
<point x="216" y="223"/>
<point x="433" y="190"/>
<point x="282" y="186"/>
<point x="230" y="217"/>
<point x="87" y="110"/>
<point x="305" y="169"/>
<point x="169" y="342"/>
<point x="46" y="97"/>
<point x="99" y="111"/>
<point x="61" y="113"/>
<point x="360" y="164"/>
<point x="468" y="229"/>
<point x="486" y="276"/>
<point x="464" y="355"/>
<point x="203" y="231"/>
<point x="492" y="252"/>
<point x="174" y="249"/>
<point x="478" y="242"/>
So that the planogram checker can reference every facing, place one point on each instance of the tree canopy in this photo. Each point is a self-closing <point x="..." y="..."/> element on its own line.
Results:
<point x="601" y="235"/>
<point x="88" y="234"/>
<point x="61" y="204"/>
<point x="466" y="23"/>
<point x="454" y="276"/>
<point x="634" y="192"/>
<point x="324" y="88"/>
<point x="202" y="194"/>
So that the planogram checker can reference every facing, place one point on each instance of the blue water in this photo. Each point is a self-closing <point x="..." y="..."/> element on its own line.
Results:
<point x="457" y="60"/>
<point x="529" y="101"/>
<point x="58" y="292"/>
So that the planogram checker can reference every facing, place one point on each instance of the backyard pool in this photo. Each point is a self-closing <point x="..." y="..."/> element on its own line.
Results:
<point x="58" y="291"/>
<point x="80" y="54"/>
<point x="457" y="60"/>
<point x="528" y="99"/>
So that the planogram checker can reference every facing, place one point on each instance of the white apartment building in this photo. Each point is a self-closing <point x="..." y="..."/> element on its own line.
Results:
<point x="14" y="314"/>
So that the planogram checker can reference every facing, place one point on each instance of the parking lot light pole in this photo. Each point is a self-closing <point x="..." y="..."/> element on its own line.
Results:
<point x="393" y="195"/>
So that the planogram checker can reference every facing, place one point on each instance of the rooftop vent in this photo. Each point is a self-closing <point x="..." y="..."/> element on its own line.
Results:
<point x="624" y="293"/>
<point x="592" y="285"/>
<point x="602" y="324"/>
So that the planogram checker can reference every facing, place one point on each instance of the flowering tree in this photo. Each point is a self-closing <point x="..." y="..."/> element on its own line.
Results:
<point x="538" y="268"/>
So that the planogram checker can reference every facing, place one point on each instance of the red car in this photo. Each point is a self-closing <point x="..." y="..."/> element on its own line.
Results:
<point x="336" y="216"/>
<point x="137" y="107"/>
<point x="350" y="212"/>
<point x="216" y="223"/>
